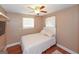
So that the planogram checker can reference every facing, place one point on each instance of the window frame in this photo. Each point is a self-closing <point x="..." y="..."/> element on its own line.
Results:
<point x="24" y="27"/>
<point x="50" y="18"/>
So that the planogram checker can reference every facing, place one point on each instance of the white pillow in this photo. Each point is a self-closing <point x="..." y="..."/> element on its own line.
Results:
<point x="48" y="31"/>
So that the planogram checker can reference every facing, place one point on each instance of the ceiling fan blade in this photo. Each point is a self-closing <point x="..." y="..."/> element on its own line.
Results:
<point x="44" y="11"/>
<point x="42" y="7"/>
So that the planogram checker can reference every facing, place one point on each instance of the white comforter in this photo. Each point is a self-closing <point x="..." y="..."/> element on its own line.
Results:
<point x="36" y="43"/>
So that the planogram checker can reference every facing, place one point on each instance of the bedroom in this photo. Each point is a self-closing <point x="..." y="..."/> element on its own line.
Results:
<point x="65" y="20"/>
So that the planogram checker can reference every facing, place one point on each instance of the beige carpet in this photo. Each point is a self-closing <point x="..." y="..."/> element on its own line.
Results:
<point x="56" y="52"/>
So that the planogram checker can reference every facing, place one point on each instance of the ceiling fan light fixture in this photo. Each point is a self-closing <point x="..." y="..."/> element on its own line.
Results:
<point x="37" y="12"/>
<point x="38" y="9"/>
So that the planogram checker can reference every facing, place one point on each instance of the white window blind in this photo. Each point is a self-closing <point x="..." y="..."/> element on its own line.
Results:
<point x="28" y="23"/>
<point x="50" y="21"/>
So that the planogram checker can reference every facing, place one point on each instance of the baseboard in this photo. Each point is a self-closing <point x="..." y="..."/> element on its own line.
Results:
<point x="9" y="45"/>
<point x="66" y="49"/>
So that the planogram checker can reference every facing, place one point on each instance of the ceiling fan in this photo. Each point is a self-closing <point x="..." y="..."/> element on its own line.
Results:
<point x="38" y="9"/>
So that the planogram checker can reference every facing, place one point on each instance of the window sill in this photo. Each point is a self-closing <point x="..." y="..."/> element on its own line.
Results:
<point x="28" y="28"/>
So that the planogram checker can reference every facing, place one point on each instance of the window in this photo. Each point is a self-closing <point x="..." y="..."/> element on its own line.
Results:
<point x="28" y="23"/>
<point x="50" y="21"/>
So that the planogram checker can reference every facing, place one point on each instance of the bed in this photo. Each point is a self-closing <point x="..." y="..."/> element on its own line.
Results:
<point x="37" y="43"/>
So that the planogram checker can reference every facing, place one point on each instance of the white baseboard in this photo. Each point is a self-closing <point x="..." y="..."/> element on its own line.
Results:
<point x="66" y="49"/>
<point x="9" y="45"/>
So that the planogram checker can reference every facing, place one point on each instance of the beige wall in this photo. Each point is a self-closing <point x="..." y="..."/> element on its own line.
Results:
<point x="15" y="30"/>
<point x="67" y="28"/>
<point x="67" y="24"/>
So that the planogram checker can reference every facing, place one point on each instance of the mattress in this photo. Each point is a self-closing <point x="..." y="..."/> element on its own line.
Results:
<point x="36" y="43"/>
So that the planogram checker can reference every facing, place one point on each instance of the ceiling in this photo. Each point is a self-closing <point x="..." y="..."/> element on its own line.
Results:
<point x="23" y="8"/>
